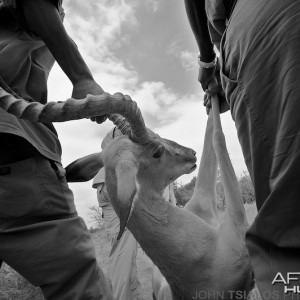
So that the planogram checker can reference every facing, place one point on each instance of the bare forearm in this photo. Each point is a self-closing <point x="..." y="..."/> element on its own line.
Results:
<point x="43" y="17"/>
<point x="196" y="14"/>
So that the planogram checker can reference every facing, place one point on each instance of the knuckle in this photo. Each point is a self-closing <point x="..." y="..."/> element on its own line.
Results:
<point x="127" y="97"/>
<point x="118" y="95"/>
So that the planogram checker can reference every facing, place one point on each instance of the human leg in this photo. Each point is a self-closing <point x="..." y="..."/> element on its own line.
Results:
<point x="57" y="256"/>
<point x="41" y="235"/>
<point x="260" y="72"/>
<point x="123" y="268"/>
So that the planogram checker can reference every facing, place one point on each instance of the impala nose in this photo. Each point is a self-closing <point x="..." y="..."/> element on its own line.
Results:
<point x="192" y="156"/>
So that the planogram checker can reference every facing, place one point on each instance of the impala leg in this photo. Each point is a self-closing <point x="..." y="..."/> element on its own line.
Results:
<point x="234" y="203"/>
<point x="203" y="201"/>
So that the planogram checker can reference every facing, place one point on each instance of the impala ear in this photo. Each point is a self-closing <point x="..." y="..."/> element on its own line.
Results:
<point x="126" y="190"/>
<point x="85" y="168"/>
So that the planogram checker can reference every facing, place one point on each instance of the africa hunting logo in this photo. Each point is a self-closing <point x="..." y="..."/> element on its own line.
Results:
<point x="291" y="282"/>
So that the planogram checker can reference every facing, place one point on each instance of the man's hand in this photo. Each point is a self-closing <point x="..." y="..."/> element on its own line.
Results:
<point x="82" y="88"/>
<point x="206" y="75"/>
<point x="207" y="99"/>
<point x="215" y="87"/>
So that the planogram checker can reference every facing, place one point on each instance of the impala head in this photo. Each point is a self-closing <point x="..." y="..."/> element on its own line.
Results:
<point x="141" y="157"/>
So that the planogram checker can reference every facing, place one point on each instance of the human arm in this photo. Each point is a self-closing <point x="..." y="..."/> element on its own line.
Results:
<point x="85" y="168"/>
<point x="44" y="20"/>
<point x="196" y="14"/>
<point x="214" y="87"/>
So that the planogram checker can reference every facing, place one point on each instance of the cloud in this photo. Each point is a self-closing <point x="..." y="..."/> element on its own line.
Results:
<point x="155" y="101"/>
<point x="97" y="26"/>
<point x="153" y="5"/>
<point x="189" y="60"/>
<point x="174" y="47"/>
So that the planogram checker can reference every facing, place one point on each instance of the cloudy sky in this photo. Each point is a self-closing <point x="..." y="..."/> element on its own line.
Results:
<point x="145" y="49"/>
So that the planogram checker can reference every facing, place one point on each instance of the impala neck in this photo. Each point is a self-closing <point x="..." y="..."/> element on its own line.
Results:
<point x="164" y="233"/>
<point x="153" y="223"/>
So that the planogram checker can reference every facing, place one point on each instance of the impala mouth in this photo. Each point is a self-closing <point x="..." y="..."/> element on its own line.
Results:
<point x="193" y="168"/>
<point x="193" y="159"/>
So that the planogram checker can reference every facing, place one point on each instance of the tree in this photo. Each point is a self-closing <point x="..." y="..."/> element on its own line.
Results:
<point x="95" y="216"/>
<point x="183" y="193"/>
<point x="246" y="188"/>
<point x="221" y="202"/>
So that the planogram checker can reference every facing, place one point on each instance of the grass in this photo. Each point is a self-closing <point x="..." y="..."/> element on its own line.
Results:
<point x="14" y="287"/>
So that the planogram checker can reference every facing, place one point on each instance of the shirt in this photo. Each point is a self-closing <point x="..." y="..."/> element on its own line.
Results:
<point x="218" y="13"/>
<point x="25" y="63"/>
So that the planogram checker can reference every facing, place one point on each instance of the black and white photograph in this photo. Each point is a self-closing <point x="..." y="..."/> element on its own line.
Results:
<point x="149" y="150"/>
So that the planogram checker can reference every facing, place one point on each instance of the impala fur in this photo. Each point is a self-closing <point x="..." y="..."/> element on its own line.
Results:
<point x="193" y="251"/>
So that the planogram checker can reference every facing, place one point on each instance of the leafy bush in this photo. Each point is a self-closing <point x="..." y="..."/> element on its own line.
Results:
<point x="95" y="216"/>
<point x="184" y="192"/>
<point x="246" y="188"/>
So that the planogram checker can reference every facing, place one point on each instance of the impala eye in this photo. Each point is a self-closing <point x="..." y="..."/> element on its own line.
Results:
<point x="159" y="151"/>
